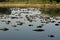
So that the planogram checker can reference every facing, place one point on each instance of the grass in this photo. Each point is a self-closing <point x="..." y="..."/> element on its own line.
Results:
<point x="29" y="2"/>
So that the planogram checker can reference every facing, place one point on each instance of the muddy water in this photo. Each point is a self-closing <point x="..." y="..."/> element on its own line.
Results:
<point x="29" y="24"/>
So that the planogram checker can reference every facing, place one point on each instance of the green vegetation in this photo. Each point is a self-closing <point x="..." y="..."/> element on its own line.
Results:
<point x="30" y="1"/>
<point x="51" y="11"/>
<point x="4" y="10"/>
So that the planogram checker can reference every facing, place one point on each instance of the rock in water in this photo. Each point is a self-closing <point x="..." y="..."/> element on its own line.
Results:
<point x="56" y="24"/>
<point x="50" y="35"/>
<point x="4" y="29"/>
<point x="39" y="30"/>
<point x="39" y="26"/>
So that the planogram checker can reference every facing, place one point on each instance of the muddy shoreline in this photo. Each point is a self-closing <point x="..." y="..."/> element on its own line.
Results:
<point x="32" y="5"/>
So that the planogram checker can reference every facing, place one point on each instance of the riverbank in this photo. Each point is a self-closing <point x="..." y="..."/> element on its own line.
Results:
<point x="32" y="5"/>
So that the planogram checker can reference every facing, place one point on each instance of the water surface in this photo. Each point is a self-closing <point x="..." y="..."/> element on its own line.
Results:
<point x="30" y="18"/>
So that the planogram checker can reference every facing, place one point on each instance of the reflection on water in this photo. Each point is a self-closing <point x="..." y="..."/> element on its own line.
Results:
<point x="51" y="11"/>
<point x="4" y="10"/>
<point x="29" y="24"/>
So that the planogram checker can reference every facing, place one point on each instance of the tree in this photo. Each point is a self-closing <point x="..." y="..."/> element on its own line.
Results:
<point x="2" y="0"/>
<point x="50" y="0"/>
<point x="57" y="1"/>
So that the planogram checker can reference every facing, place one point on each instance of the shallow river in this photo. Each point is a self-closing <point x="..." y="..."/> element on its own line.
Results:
<point x="29" y="24"/>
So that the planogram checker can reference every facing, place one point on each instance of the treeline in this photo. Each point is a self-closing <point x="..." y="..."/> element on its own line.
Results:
<point x="38" y="1"/>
